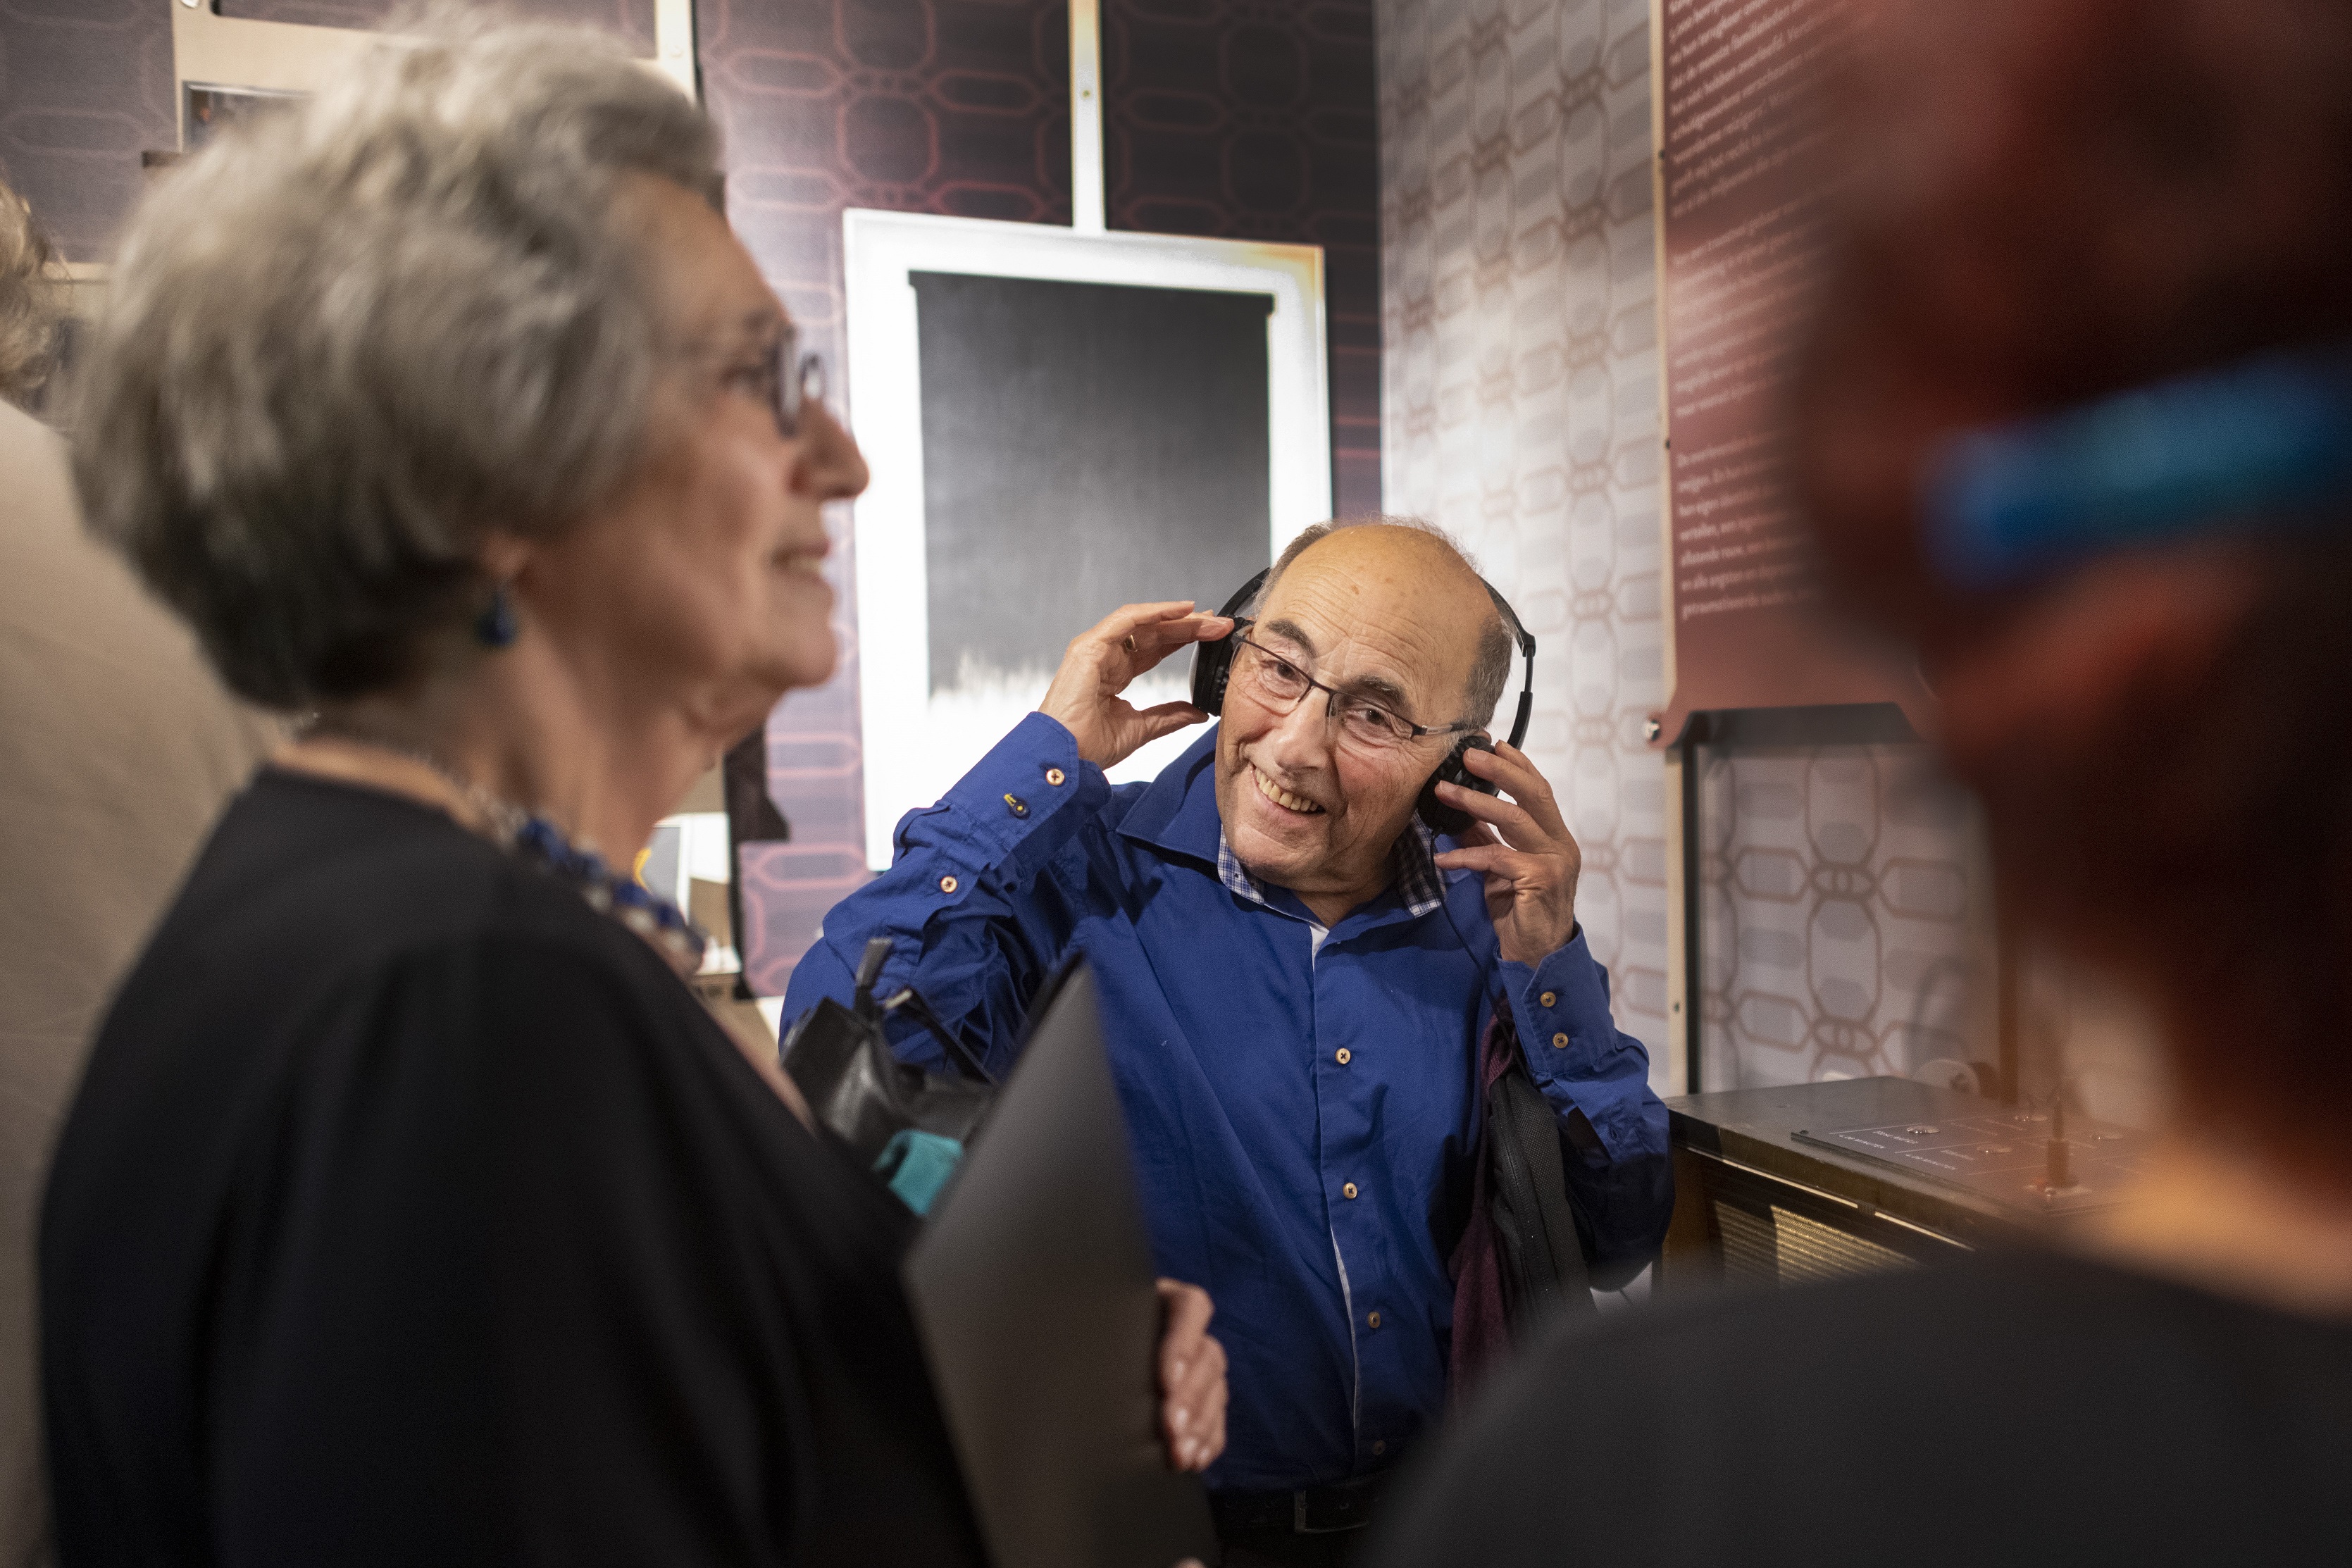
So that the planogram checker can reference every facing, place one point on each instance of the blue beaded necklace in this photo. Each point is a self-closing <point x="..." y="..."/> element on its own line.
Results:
<point x="537" y="841"/>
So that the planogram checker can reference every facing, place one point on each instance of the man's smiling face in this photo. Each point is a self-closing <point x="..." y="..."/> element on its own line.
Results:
<point x="1377" y="611"/>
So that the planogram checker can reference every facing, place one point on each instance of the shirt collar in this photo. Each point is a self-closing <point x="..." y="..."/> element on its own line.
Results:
<point x="1234" y="875"/>
<point x="1419" y="887"/>
<point x="1178" y="812"/>
<point x="1413" y="874"/>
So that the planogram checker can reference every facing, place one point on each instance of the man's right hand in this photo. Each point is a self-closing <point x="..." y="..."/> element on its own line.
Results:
<point x="1085" y="696"/>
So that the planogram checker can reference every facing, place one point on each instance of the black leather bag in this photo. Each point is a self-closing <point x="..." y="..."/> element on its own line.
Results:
<point x="1521" y="1260"/>
<point x="1536" y="1234"/>
<point x="841" y="1061"/>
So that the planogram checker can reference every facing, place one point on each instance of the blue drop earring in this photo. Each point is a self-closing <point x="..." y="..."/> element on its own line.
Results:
<point x="495" y="626"/>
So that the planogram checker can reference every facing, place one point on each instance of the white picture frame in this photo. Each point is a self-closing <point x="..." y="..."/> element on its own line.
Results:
<point x="916" y="748"/>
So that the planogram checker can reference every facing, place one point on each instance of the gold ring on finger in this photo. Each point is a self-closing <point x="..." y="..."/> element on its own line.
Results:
<point x="1128" y="642"/>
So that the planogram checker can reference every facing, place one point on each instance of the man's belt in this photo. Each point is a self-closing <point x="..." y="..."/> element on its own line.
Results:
<point x="1316" y="1510"/>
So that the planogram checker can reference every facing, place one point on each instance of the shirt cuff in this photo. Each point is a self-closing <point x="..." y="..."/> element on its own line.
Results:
<point x="1017" y="807"/>
<point x="1574" y="1049"/>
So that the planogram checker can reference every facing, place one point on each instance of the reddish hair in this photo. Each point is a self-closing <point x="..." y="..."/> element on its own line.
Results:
<point x="2067" y="197"/>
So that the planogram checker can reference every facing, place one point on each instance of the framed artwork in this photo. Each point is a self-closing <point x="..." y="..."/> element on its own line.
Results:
<point x="1058" y="422"/>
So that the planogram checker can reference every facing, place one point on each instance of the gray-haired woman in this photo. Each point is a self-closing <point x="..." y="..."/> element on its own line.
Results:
<point x="412" y="1210"/>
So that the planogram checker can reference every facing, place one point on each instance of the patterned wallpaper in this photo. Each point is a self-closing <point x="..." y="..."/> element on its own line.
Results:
<point x="1521" y="372"/>
<point x="946" y="106"/>
<point x="1522" y="397"/>
<point x="85" y="88"/>
<point x="1840" y="902"/>
<point x="1258" y="119"/>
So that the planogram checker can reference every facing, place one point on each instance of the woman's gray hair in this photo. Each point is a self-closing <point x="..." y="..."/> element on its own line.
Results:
<point x="350" y="337"/>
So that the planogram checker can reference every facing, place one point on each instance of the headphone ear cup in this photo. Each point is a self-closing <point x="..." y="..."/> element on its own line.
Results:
<point x="1213" y="667"/>
<point x="1451" y="820"/>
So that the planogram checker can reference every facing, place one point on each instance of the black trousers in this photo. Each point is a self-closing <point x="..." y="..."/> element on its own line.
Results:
<point x="1289" y="1548"/>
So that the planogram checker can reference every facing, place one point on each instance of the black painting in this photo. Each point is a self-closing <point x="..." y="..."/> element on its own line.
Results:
<point x="1084" y="446"/>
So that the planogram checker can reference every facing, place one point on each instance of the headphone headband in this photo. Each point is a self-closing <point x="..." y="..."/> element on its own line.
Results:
<point x="1526" y="644"/>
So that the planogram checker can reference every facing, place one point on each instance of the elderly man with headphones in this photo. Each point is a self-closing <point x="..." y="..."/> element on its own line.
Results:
<point x="1303" y="931"/>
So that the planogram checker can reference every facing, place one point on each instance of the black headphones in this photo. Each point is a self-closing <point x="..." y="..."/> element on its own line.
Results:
<point x="1212" y="666"/>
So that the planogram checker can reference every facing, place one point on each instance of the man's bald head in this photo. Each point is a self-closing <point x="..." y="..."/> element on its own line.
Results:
<point x="1456" y="588"/>
<point x="1388" y="612"/>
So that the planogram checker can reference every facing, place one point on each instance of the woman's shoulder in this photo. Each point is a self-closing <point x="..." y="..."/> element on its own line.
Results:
<point x="364" y="963"/>
<point x="322" y="909"/>
<point x="317" y="868"/>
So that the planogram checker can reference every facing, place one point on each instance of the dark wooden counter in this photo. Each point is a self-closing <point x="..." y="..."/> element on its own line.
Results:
<point x="1754" y="1204"/>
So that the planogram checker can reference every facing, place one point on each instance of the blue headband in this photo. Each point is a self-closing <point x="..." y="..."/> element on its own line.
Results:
<point x="2262" y="444"/>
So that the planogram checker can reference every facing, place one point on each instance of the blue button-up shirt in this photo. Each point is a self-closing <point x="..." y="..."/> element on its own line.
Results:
<point x="1301" y="1102"/>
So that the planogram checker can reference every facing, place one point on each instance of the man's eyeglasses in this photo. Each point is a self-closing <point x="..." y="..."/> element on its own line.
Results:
<point x="1279" y="685"/>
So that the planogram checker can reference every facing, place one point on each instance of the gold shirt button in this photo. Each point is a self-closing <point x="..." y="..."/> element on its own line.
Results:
<point x="1374" y="1319"/>
<point x="1380" y="1448"/>
<point x="947" y="884"/>
<point x="1559" y="1042"/>
<point x="1349" y="1191"/>
<point x="1548" y="997"/>
<point x="1054" y="777"/>
<point x="1340" y="1056"/>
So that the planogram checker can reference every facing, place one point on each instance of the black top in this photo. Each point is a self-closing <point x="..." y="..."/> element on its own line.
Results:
<point x="411" y="1212"/>
<point x="2024" y="1409"/>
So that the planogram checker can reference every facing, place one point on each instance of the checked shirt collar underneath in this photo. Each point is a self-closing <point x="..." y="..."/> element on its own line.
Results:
<point x="1418" y="886"/>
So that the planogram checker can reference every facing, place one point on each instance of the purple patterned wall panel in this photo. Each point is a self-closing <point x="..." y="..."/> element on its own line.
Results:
<point x="944" y="106"/>
<point x="85" y="88"/>
<point x="958" y="106"/>
<point x="1256" y="120"/>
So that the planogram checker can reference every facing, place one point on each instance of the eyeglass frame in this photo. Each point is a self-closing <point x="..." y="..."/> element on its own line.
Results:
<point x="792" y="395"/>
<point x="788" y="397"/>
<point x="1331" y="708"/>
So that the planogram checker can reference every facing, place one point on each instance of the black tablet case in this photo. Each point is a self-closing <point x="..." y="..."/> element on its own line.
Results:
<point x="1033" y="1289"/>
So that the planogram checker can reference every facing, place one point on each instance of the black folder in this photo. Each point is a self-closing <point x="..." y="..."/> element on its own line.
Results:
<point x="1032" y="1286"/>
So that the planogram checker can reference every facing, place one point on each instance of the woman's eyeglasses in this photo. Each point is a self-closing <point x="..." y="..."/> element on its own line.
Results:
<point x="785" y="379"/>
<point x="798" y="379"/>
<point x="1278" y="685"/>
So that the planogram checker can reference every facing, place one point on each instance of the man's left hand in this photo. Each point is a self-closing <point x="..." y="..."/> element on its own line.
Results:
<point x="1530" y="859"/>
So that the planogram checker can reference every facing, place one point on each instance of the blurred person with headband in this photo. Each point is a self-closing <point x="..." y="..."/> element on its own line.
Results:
<point x="413" y="1209"/>
<point x="117" y="748"/>
<point x="2077" y="421"/>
